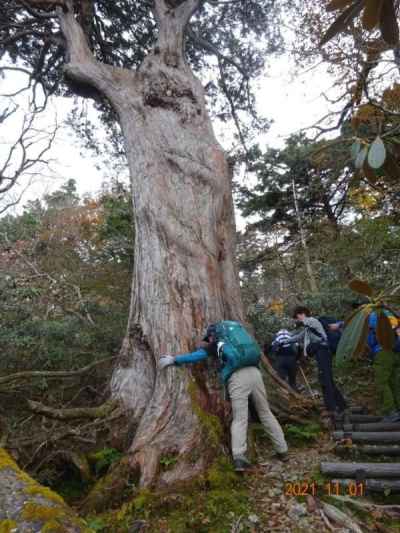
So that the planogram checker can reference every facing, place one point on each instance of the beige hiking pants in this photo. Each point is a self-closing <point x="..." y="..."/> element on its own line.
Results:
<point x="242" y="384"/>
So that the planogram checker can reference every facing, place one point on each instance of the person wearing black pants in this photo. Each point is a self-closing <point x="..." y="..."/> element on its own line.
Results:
<point x="315" y="343"/>
<point x="286" y="357"/>
<point x="333" y="398"/>
<point x="287" y="369"/>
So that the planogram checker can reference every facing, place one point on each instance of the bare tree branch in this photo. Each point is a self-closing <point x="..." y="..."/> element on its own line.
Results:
<point x="72" y="413"/>
<point x="51" y="374"/>
<point x="26" y="153"/>
<point x="211" y="48"/>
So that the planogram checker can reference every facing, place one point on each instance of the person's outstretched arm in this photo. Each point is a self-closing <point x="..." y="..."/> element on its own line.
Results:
<point x="186" y="358"/>
<point x="192" y="357"/>
<point x="297" y="337"/>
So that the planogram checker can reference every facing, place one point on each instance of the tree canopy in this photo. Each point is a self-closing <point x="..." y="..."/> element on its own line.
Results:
<point x="227" y="44"/>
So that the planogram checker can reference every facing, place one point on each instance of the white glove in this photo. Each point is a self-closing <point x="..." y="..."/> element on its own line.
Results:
<point x="220" y="346"/>
<point x="166" y="360"/>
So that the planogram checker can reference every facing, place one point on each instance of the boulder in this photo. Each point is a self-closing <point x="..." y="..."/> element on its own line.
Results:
<point x="26" y="506"/>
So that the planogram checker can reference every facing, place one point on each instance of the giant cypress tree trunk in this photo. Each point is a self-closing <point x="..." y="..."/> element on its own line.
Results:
<point x="184" y="273"/>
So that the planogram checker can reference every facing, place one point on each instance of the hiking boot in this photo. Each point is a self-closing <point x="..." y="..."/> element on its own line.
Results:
<point x="241" y="464"/>
<point x="281" y="456"/>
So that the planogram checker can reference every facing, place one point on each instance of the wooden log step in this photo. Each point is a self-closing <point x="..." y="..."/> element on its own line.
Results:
<point x="357" y="419"/>
<point x="357" y="409"/>
<point x="368" y="470"/>
<point x="369" y="449"/>
<point x="377" y="426"/>
<point x="368" y="436"/>
<point x="371" y="485"/>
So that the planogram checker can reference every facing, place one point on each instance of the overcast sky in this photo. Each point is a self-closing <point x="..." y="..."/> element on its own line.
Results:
<point x="291" y="104"/>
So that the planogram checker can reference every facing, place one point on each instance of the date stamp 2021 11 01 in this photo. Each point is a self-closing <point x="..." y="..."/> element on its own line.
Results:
<point x="331" y="488"/>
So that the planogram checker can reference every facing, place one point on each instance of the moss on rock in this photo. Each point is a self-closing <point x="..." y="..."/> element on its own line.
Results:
<point x="8" y="526"/>
<point x="31" y="504"/>
<point x="45" y="492"/>
<point x="39" y="513"/>
<point x="5" y="460"/>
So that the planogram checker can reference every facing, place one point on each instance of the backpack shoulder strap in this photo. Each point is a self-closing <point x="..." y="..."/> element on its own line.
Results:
<point x="315" y="332"/>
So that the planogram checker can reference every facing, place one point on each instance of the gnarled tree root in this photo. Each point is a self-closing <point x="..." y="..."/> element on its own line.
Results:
<point x="100" y="411"/>
<point x="112" y="488"/>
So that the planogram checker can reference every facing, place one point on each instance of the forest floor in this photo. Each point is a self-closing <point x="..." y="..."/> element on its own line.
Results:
<point x="276" y="489"/>
<point x="287" y="495"/>
<point x="272" y="496"/>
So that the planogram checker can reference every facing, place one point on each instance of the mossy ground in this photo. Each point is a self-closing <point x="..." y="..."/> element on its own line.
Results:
<point x="212" y="503"/>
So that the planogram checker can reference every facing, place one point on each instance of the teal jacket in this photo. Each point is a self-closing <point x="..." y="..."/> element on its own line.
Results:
<point x="192" y="357"/>
<point x="227" y="364"/>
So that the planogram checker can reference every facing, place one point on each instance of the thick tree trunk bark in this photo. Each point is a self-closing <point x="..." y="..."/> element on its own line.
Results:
<point x="306" y="252"/>
<point x="184" y="274"/>
<point x="184" y="271"/>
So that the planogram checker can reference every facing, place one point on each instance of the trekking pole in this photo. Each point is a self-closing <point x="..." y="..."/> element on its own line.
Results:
<point x="307" y="383"/>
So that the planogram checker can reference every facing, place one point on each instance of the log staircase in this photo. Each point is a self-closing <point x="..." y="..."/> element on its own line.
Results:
<point x="361" y="435"/>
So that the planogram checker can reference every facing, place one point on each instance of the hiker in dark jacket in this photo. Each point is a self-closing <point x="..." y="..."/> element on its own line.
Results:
<point x="333" y="329"/>
<point x="242" y="384"/>
<point x="286" y="354"/>
<point x="315" y="343"/>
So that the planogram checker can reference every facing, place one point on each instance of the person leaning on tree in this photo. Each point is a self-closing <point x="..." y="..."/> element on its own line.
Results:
<point x="242" y="384"/>
<point x="315" y="342"/>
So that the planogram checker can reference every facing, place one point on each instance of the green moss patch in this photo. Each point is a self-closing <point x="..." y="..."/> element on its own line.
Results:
<point x="210" y="504"/>
<point x="38" y="490"/>
<point x="211" y="424"/>
<point x="40" y="513"/>
<point x="302" y="435"/>
<point x="8" y="526"/>
<point x="51" y="517"/>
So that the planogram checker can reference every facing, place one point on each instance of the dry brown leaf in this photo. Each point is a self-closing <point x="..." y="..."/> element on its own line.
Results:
<point x="369" y="173"/>
<point x="391" y="168"/>
<point x="372" y="14"/>
<point x="342" y="21"/>
<point x="362" y="287"/>
<point x="388" y="23"/>
<point x="338" y="4"/>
